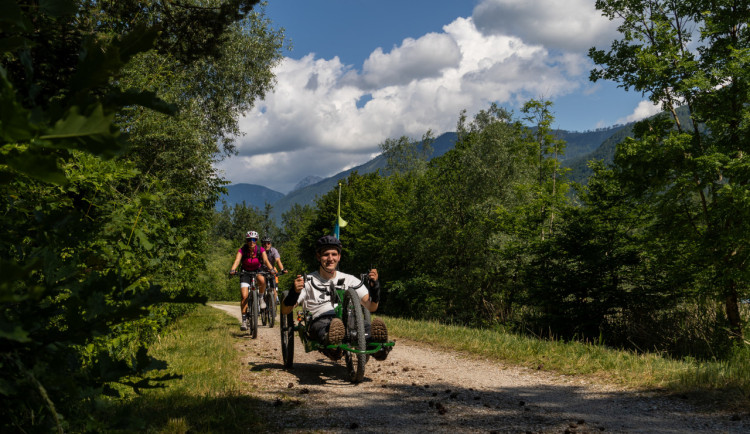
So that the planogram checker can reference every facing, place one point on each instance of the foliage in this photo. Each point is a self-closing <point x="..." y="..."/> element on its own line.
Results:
<point x="488" y="234"/>
<point x="694" y="54"/>
<point x="100" y="230"/>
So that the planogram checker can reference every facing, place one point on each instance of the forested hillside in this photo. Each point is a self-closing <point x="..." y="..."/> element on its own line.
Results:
<point x="581" y="144"/>
<point x="112" y="114"/>
<point x="252" y="194"/>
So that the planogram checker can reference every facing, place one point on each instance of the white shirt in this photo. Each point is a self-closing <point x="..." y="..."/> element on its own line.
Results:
<point x="319" y="303"/>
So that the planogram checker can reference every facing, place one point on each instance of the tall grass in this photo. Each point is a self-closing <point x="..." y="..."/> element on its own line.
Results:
<point x="210" y="397"/>
<point x="729" y="379"/>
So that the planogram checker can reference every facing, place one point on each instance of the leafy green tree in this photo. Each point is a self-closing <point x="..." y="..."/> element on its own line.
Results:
<point x="694" y="54"/>
<point x="100" y="231"/>
<point x="551" y="189"/>
<point x="294" y="225"/>
<point x="455" y="210"/>
<point x="406" y="157"/>
<point x="599" y="264"/>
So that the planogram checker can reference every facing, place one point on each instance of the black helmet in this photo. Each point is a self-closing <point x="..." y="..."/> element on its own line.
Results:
<point x="327" y="241"/>
<point x="266" y="239"/>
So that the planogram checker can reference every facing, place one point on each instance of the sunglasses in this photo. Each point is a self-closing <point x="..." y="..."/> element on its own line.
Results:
<point x="251" y="239"/>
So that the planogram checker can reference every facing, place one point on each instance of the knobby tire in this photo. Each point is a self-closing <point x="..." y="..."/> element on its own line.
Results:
<point x="286" y="324"/>
<point x="353" y="318"/>
<point x="254" y="315"/>
<point x="271" y="307"/>
<point x="264" y="312"/>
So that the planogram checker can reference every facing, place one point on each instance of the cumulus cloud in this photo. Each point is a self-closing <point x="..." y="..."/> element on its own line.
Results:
<point x="415" y="59"/>
<point x="324" y="116"/>
<point x="569" y="25"/>
<point x="642" y="111"/>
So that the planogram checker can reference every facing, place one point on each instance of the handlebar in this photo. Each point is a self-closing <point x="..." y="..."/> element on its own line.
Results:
<point x="245" y="272"/>
<point x="306" y="278"/>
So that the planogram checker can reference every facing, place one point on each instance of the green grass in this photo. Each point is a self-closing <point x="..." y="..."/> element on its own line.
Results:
<point x="720" y="381"/>
<point x="209" y="397"/>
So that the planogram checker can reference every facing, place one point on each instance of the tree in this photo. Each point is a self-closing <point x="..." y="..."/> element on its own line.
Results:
<point x="597" y="266"/>
<point x="694" y="54"/>
<point x="551" y="188"/>
<point x="455" y="217"/>
<point x="98" y="236"/>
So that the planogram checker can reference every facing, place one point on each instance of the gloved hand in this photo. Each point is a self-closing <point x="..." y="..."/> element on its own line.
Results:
<point x="374" y="289"/>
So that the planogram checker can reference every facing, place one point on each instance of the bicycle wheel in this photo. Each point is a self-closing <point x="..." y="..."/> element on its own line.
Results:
<point x="271" y="308"/>
<point x="368" y="320"/>
<point x="264" y="312"/>
<point x="286" y="324"/>
<point x="254" y="315"/>
<point x="355" y="336"/>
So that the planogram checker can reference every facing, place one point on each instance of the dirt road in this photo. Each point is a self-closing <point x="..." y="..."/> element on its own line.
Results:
<point x="421" y="389"/>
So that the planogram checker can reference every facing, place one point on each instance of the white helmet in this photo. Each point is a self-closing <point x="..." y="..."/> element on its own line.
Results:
<point x="251" y="234"/>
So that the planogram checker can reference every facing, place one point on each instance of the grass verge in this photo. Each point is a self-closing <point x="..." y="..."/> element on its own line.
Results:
<point x="723" y="382"/>
<point x="209" y="397"/>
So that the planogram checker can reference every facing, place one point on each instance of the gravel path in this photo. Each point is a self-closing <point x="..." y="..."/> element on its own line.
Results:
<point x="419" y="389"/>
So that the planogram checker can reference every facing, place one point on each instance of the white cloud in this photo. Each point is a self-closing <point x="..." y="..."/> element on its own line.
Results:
<point x="642" y="111"/>
<point x="416" y="59"/>
<point x="569" y="25"/>
<point x="311" y="123"/>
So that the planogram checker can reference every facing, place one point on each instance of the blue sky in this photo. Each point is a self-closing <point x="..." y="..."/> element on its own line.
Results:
<point x="360" y="72"/>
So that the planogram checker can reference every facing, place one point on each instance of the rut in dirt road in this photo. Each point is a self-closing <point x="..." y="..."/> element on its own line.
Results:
<point x="419" y="388"/>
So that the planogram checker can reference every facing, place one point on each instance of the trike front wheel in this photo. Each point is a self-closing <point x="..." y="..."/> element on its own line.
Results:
<point x="354" y="322"/>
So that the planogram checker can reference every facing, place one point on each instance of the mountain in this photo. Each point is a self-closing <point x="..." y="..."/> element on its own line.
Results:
<point x="308" y="194"/>
<point x="309" y="180"/>
<point x="579" y="169"/>
<point x="583" y="143"/>
<point x="580" y="147"/>
<point x="251" y="194"/>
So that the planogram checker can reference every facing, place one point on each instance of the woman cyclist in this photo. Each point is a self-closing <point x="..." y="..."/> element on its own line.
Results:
<point x="251" y="257"/>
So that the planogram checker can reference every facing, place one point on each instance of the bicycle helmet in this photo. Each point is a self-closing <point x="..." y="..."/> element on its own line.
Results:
<point x="266" y="239"/>
<point x="327" y="241"/>
<point x="251" y="234"/>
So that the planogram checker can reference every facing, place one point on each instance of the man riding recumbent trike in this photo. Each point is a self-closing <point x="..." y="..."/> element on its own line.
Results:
<point x="335" y="315"/>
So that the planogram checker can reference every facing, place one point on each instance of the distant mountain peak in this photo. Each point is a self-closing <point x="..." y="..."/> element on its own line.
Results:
<point x="309" y="180"/>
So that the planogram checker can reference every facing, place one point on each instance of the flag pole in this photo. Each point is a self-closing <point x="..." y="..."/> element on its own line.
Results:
<point x="338" y="216"/>
<point x="340" y="223"/>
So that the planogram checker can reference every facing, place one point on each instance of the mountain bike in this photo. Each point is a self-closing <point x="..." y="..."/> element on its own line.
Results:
<point x="268" y="315"/>
<point x="347" y="307"/>
<point x="253" y="300"/>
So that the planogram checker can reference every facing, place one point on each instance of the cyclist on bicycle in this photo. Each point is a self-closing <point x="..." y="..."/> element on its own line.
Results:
<point x="275" y="259"/>
<point x="251" y="256"/>
<point x="326" y="327"/>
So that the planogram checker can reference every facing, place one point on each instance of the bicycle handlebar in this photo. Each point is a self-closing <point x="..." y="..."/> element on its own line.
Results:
<point x="246" y="272"/>
<point x="309" y="278"/>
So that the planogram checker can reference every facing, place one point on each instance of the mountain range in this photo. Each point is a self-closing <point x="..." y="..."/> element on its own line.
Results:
<point x="580" y="148"/>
